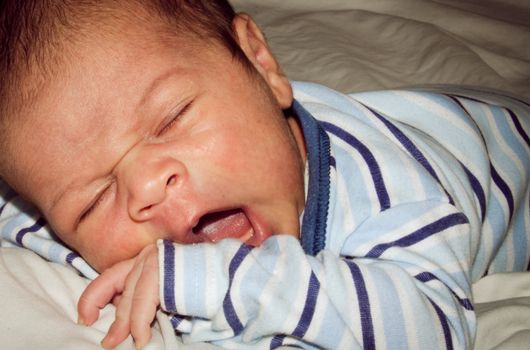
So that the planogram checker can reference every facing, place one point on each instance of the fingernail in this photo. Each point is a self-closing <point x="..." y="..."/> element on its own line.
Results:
<point x="81" y="321"/>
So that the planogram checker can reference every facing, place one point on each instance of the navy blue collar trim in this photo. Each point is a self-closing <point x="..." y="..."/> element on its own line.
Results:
<point x="313" y="236"/>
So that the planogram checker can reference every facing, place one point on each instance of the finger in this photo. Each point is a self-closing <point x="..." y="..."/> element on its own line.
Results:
<point x="120" y="329"/>
<point x="115" y="334"/>
<point x="145" y="301"/>
<point x="101" y="291"/>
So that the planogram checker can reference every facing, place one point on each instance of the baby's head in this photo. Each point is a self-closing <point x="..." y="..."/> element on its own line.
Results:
<point x="127" y="121"/>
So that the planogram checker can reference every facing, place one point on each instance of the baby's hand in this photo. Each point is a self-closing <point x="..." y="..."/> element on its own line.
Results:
<point x="133" y="286"/>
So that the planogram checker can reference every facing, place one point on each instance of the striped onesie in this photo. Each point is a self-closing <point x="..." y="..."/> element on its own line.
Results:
<point x="411" y="197"/>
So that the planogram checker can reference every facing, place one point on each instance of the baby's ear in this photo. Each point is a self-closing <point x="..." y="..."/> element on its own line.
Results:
<point x="254" y="46"/>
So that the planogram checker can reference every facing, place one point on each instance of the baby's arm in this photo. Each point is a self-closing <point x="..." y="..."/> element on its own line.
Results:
<point x="397" y="284"/>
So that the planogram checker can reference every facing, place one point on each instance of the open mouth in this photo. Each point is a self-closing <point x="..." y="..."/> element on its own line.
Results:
<point x="232" y="223"/>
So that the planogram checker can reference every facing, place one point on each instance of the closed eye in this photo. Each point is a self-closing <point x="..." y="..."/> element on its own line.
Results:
<point x="94" y="204"/>
<point x="174" y="119"/>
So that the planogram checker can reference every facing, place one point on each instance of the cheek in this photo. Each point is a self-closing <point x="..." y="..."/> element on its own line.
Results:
<point x="109" y="242"/>
<point x="257" y="167"/>
<point x="219" y="149"/>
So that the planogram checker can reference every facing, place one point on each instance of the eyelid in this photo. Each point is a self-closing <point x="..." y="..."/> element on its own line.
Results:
<point x="94" y="203"/>
<point x="168" y="122"/>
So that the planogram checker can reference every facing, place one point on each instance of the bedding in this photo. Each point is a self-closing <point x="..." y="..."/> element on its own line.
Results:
<point x="349" y="45"/>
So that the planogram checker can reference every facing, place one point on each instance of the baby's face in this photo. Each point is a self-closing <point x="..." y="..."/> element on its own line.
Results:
<point x="138" y="141"/>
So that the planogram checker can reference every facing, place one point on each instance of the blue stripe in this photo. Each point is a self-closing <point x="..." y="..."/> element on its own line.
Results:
<point x="309" y="308"/>
<point x="319" y="235"/>
<point x="169" y="276"/>
<point x="427" y="276"/>
<point x="367" y="327"/>
<point x="411" y="148"/>
<point x="277" y="341"/>
<point x="33" y="228"/>
<point x="519" y="127"/>
<point x="332" y="162"/>
<point x="375" y="171"/>
<point x="420" y="234"/>
<point x="313" y="236"/>
<point x="176" y="320"/>
<point x="445" y="326"/>
<point x="70" y="257"/>
<point x="228" y="307"/>
<point x="478" y="190"/>
<point x="505" y="189"/>
<point x="475" y="184"/>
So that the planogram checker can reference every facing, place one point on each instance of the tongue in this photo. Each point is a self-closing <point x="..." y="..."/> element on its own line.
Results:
<point x="230" y="223"/>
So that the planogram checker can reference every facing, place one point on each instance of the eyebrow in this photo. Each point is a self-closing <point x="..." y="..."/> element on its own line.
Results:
<point x="151" y="88"/>
<point x="60" y="196"/>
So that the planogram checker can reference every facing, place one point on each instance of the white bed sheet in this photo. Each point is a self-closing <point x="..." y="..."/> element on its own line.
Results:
<point x="357" y="45"/>
<point x="350" y="45"/>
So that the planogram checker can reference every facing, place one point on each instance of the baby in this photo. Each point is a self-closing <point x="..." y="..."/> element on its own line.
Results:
<point x="161" y="141"/>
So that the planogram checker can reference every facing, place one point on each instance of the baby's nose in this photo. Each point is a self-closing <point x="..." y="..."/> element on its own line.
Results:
<point x="149" y="183"/>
